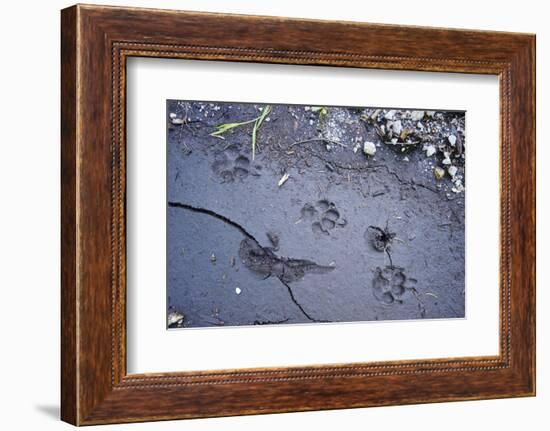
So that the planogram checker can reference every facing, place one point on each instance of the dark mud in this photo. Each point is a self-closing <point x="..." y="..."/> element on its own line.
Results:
<point x="308" y="227"/>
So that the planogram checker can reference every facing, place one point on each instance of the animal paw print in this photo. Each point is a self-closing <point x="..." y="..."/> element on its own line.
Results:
<point x="323" y="215"/>
<point x="230" y="165"/>
<point x="390" y="285"/>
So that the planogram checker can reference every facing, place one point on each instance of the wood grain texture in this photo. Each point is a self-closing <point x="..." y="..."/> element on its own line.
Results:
<point x="96" y="41"/>
<point x="68" y="217"/>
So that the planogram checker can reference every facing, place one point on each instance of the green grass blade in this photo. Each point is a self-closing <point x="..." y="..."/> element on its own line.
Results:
<point x="254" y="140"/>
<point x="222" y="128"/>
<point x="265" y="111"/>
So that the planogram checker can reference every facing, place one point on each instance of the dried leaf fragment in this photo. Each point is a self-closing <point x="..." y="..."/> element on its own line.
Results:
<point x="283" y="179"/>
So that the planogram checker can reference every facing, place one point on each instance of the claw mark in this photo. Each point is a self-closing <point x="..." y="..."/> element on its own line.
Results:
<point x="263" y="260"/>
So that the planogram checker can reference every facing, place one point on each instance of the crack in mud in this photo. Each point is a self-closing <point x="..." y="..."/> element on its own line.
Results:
<point x="263" y="260"/>
<point x="215" y="215"/>
<point x="270" y="322"/>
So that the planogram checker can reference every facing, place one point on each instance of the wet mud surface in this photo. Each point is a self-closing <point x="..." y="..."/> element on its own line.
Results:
<point x="313" y="214"/>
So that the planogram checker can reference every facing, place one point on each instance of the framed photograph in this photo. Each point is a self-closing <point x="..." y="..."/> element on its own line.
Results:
<point x="266" y="215"/>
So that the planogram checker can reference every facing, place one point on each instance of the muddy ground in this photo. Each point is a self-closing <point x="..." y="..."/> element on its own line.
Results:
<point x="338" y="215"/>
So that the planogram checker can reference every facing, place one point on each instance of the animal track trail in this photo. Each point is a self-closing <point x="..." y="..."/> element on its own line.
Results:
<point x="390" y="286"/>
<point x="231" y="165"/>
<point x="323" y="216"/>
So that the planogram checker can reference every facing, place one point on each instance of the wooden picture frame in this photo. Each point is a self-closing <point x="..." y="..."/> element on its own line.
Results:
<point x="96" y="41"/>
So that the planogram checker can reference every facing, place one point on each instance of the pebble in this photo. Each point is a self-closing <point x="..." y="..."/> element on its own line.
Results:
<point x="452" y="170"/>
<point x="439" y="172"/>
<point x="452" y="139"/>
<point x="238" y="290"/>
<point x="173" y="115"/>
<point x="177" y="121"/>
<point x="417" y="115"/>
<point x="430" y="150"/>
<point x="175" y="318"/>
<point x="369" y="148"/>
<point x="397" y="127"/>
<point x="390" y="114"/>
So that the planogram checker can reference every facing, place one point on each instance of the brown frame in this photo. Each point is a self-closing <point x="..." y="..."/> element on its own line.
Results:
<point x="96" y="41"/>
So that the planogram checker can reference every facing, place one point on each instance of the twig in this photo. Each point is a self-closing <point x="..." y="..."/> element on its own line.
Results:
<point x="320" y="139"/>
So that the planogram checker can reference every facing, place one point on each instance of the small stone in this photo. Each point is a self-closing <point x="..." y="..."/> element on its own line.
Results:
<point x="238" y="290"/>
<point x="430" y="150"/>
<point x="452" y="139"/>
<point x="458" y="189"/>
<point x="452" y="170"/>
<point x="175" y="319"/>
<point x="417" y="115"/>
<point x="369" y="148"/>
<point x="173" y="115"/>
<point x="405" y="159"/>
<point x="397" y="127"/>
<point x="390" y="114"/>
<point x="430" y="113"/>
<point x="439" y="173"/>
<point x="212" y="257"/>
<point x="177" y="121"/>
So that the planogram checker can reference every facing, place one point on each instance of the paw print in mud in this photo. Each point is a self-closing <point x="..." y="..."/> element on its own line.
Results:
<point x="323" y="216"/>
<point x="390" y="285"/>
<point x="230" y="164"/>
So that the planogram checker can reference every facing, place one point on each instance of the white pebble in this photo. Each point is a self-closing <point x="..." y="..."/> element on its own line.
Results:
<point x="238" y="290"/>
<point x="452" y="170"/>
<point x="430" y="150"/>
<point x="417" y="115"/>
<point x="452" y="140"/>
<point x="173" y="115"/>
<point x="397" y="127"/>
<point x="369" y="148"/>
